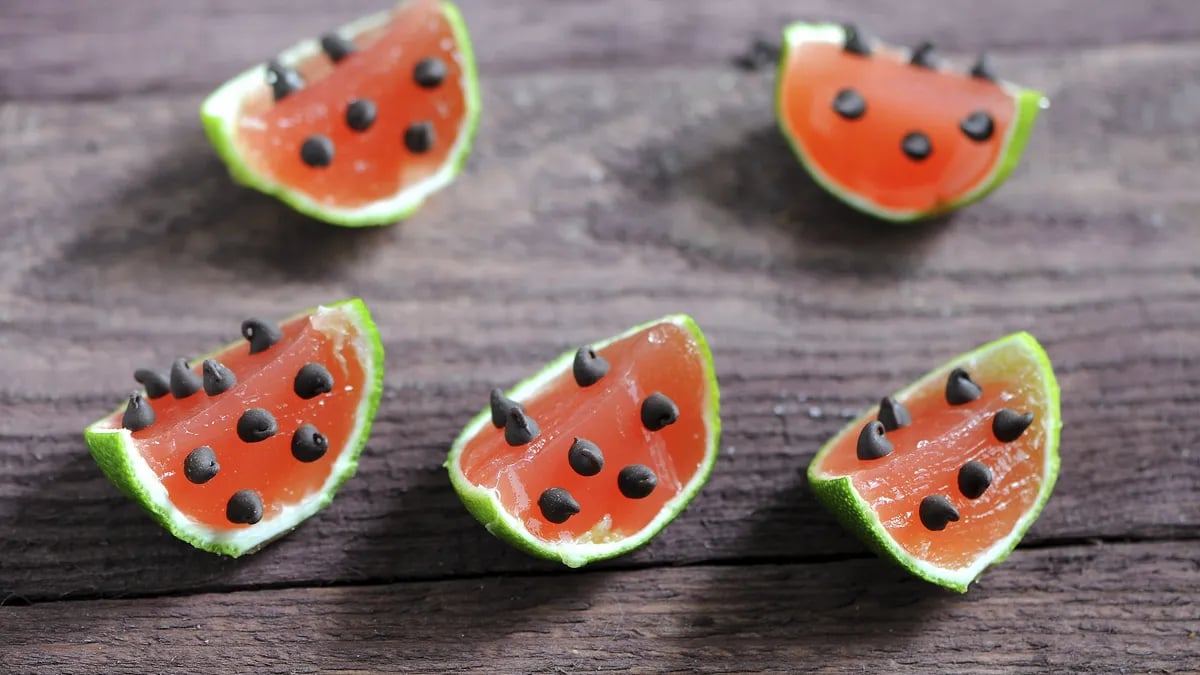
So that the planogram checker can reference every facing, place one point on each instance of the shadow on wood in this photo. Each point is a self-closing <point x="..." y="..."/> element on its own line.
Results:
<point x="184" y="222"/>
<point x="715" y="193"/>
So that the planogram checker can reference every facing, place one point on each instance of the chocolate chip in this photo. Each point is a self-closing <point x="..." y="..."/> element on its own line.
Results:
<point x="138" y="413"/>
<point x="658" y="412"/>
<point x="360" y="114"/>
<point x="585" y="457"/>
<point x="245" y="507"/>
<point x="308" y="444"/>
<point x="200" y="465"/>
<point x="429" y="73"/>
<point x="520" y="428"/>
<point x="501" y="405"/>
<point x="336" y="47"/>
<point x="960" y="388"/>
<point x="156" y="383"/>
<point x="217" y="378"/>
<point x="317" y="151"/>
<point x="978" y="126"/>
<point x="256" y="425"/>
<point x="260" y="334"/>
<point x="924" y="56"/>
<point x="283" y="80"/>
<point x="418" y="137"/>
<point x="637" y="481"/>
<point x="983" y="68"/>
<point x="936" y="512"/>
<point x="312" y="380"/>
<point x="872" y="442"/>
<point x="892" y="414"/>
<point x="184" y="382"/>
<point x="916" y="145"/>
<point x="855" y="41"/>
<point x="849" y="104"/>
<point x="589" y="367"/>
<point x="1008" y="425"/>
<point x="557" y="505"/>
<point x="973" y="479"/>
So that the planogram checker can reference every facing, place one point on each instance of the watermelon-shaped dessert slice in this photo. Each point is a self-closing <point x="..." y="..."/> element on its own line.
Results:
<point x="359" y="126"/>
<point x="242" y="445"/>
<point x="891" y="132"/>
<point x="946" y="476"/>
<point x="594" y="455"/>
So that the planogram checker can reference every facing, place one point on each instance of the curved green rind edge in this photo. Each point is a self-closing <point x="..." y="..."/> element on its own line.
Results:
<point x="218" y="126"/>
<point x="119" y="460"/>
<point x="1029" y="104"/>
<point x="483" y="505"/>
<point x="852" y="511"/>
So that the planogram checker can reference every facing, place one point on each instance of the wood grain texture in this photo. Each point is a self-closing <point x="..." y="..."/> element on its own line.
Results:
<point x="1093" y="609"/>
<point x="596" y="200"/>
<point x="85" y="50"/>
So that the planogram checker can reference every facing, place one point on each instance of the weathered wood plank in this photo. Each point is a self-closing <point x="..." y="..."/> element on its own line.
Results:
<point x="1094" y="609"/>
<point x="628" y="195"/>
<point x="63" y="49"/>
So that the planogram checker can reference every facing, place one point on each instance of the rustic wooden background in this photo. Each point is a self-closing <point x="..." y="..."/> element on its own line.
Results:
<point x="624" y="169"/>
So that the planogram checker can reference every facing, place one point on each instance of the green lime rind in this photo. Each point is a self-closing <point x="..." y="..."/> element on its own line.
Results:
<point x="839" y="496"/>
<point x="485" y="506"/>
<point x="114" y="450"/>
<point x="1028" y="104"/>
<point x="219" y="114"/>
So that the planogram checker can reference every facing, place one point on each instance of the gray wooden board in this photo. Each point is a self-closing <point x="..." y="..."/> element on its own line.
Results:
<point x="623" y="170"/>
<point x="1094" y="609"/>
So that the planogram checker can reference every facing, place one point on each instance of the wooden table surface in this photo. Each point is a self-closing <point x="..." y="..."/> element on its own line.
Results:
<point x="624" y="169"/>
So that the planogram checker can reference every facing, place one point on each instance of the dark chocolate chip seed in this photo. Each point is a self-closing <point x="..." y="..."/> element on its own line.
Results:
<point x="418" y="137"/>
<point x="849" y="104"/>
<point x="245" y="507"/>
<point x="589" y="367"/>
<point x="283" y="80"/>
<point x="138" y="413"/>
<point x="217" y="378"/>
<point x="312" y="380"/>
<point x="973" y="479"/>
<point x="1008" y="425"/>
<point x="520" y="428"/>
<point x="856" y="41"/>
<point x="201" y="465"/>
<point x="983" y="68"/>
<point x="977" y="126"/>
<point x="256" y="425"/>
<point x="429" y="73"/>
<point x="960" y="388"/>
<point x="637" y="481"/>
<point x="156" y="384"/>
<point x="557" y="505"/>
<point x="658" y="412"/>
<point x="317" y="151"/>
<point x="892" y="414"/>
<point x="308" y="444"/>
<point x="917" y="146"/>
<point x="184" y="382"/>
<point x="336" y="47"/>
<point x="924" y="56"/>
<point x="260" y="334"/>
<point x="585" y="457"/>
<point x="500" y="405"/>
<point x="936" y="512"/>
<point x="360" y="114"/>
<point x="872" y="442"/>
